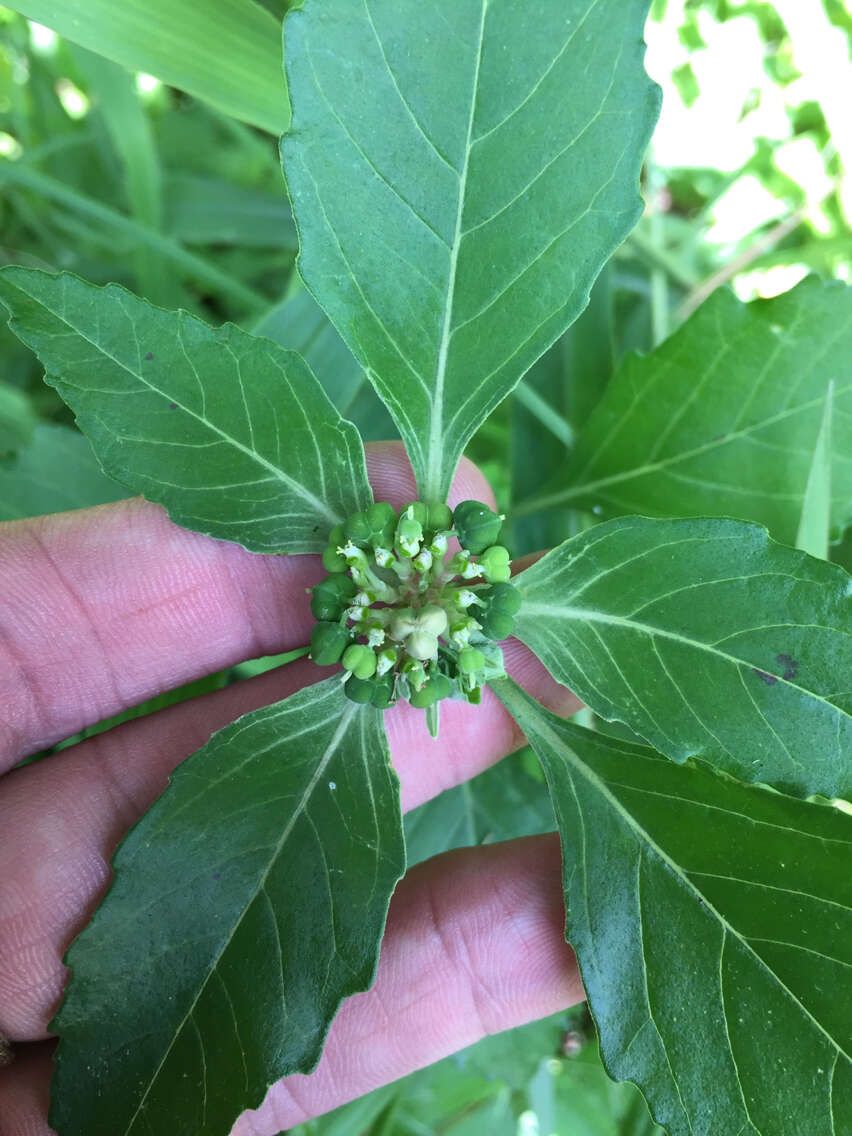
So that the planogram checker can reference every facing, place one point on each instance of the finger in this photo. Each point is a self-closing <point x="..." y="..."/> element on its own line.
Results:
<point x="103" y="608"/>
<point x="61" y="819"/>
<point x="25" y="1092"/>
<point x="474" y="945"/>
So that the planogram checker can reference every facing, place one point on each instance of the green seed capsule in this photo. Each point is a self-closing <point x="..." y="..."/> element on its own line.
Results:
<point x="332" y="561"/>
<point x="381" y="518"/>
<point x="470" y="660"/>
<point x="504" y="598"/>
<point x="337" y="536"/>
<point x="494" y="564"/>
<point x="422" y="645"/>
<point x="477" y="526"/>
<point x="440" y="518"/>
<point x="328" y="642"/>
<point x="436" y="688"/>
<point x="496" y="625"/>
<point x="376" y="692"/>
<point x="360" y="660"/>
<point x="409" y="534"/>
<point x="331" y="596"/>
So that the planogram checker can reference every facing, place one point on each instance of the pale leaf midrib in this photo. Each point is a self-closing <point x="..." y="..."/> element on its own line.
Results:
<point x="435" y="454"/>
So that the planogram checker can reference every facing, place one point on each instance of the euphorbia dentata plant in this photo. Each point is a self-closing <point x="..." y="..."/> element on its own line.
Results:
<point x="459" y="174"/>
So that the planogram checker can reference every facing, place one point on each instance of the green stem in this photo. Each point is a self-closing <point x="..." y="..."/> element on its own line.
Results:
<point x="541" y="409"/>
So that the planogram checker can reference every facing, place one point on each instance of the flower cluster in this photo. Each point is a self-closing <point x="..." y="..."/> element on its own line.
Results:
<point x="406" y="618"/>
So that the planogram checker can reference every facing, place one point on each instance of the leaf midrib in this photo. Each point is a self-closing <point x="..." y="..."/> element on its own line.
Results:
<point x="279" y="474"/>
<point x="435" y="454"/>
<point x="328" y="753"/>
<point x="589" y="615"/>
<point x="556" y="743"/>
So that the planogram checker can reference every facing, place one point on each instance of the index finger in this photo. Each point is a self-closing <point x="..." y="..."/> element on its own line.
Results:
<point x="104" y="608"/>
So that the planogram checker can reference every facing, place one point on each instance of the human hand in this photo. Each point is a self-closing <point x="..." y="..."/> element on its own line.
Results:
<point x="106" y="607"/>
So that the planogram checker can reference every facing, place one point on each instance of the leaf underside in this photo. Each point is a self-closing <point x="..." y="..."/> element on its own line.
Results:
<point x="707" y="638"/>
<point x="232" y="434"/>
<point x="713" y="924"/>
<point x="723" y="418"/>
<point x="247" y="903"/>
<point x="456" y="200"/>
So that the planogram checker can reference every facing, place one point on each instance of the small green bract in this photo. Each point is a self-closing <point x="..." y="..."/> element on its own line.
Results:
<point x="404" y="617"/>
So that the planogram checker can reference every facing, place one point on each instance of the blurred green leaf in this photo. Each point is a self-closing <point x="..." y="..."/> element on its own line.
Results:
<point x="54" y="472"/>
<point x="205" y="210"/>
<point x="181" y="42"/>
<point x="17" y="419"/>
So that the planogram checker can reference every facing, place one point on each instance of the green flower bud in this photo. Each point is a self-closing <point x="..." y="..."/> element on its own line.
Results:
<point x="477" y="526"/>
<point x="331" y="596"/>
<point x="496" y="625"/>
<point x="470" y="660"/>
<point x="386" y="660"/>
<point x="360" y="660"/>
<point x="422" y="645"/>
<point x="440" y="518"/>
<point x="438" y="546"/>
<point x="403" y="623"/>
<point x="494" y="564"/>
<point x="432" y="618"/>
<point x="376" y="692"/>
<point x="415" y="672"/>
<point x="409" y="535"/>
<point x="438" y="687"/>
<point x="332" y="561"/>
<point x="417" y="511"/>
<point x="423" y="560"/>
<point x="474" y="695"/>
<point x="328" y="642"/>
<point x="504" y="598"/>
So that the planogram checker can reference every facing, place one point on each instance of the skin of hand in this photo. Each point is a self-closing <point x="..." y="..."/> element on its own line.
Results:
<point x="106" y="607"/>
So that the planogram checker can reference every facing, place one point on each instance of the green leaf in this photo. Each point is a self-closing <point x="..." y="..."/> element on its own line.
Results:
<point x="723" y="418"/>
<point x="181" y="42"/>
<point x="17" y="419"/>
<point x="504" y="802"/>
<point x="706" y="638"/>
<point x="203" y="210"/>
<point x="712" y="922"/>
<point x="233" y="435"/>
<point x="815" y="522"/>
<point x="246" y="904"/>
<point x="55" y="472"/>
<point x="459" y="175"/>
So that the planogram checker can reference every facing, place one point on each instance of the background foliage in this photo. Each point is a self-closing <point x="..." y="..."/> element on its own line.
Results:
<point x="134" y="166"/>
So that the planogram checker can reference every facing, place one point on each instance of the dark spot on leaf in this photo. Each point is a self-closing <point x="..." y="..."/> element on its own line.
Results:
<point x="769" y="679"/>
<point x="316" y="528"/>
<point x="150" y="355"/>
<point x="720" y="437"/>
<point x="217" y="875"/>
<point x="172" y="406"/>
<point x="791" y="667"/>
